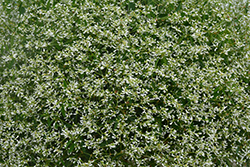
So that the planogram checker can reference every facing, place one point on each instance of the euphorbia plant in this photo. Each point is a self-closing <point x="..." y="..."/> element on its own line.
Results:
<point x="119" y="83"/>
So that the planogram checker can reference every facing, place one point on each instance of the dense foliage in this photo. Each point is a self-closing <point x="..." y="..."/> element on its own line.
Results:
<point x="124" y="83"/>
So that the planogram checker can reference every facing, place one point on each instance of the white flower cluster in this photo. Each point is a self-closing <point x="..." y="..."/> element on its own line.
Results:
<point x="125" y="83"/>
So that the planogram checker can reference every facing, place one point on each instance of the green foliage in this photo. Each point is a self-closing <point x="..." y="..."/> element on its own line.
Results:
<point x="124" y="83"/>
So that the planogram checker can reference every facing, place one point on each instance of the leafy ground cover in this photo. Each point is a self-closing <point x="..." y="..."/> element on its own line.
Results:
<point x="124" y="83"/>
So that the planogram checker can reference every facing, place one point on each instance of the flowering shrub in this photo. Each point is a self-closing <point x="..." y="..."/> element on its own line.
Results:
<point x="124" y="83"/>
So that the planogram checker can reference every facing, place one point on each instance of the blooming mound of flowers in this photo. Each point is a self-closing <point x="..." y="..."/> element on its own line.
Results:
<point x="124" y="83"/>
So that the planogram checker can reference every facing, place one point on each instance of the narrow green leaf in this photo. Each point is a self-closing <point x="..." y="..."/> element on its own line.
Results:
<point x="131" y="6"/>
<point x="48" y="4"/>
<point x="11" y="63"/>
<point x="63" y="110"/>
<point x="106" y="142"/>
<point x="247" y="7"/>
<point x="68" y="143"/>
<point x="49" y="122"/>
<point x="216" y="90"/>
<point x="179" y="7"/>
<point x="11" y="40"/>
<point x="2" y="50"/>
<point x="56" y="125"/>
<point x="65" y="84"/>
<point x="117" y="156"/>
<point x="164" y="60"/>
<point x="1" y="160"/>
<point x="21" y="9"/>
<point x="72" y="146"/>
<point x="6" y="47"/>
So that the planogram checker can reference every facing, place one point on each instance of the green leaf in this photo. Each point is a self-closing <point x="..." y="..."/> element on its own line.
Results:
<point x="246" y="7"/>
<point x="106" y="142"/>
<point x="11" y="63"/>
<point x="56" y="125"/>
<point x="48" y="5"/>
<point x="65" y="84"/>
<point x="216" y="93"/>
<point x="1" y="160"/>
<point x="72" y="146"/>
<point x="179" y="7"/>
<point x="2" y="50"/>
<point x="117" y="156"/>
<point x="68" y="143"/>
<point x="6" y="47"/>
<point x="11" y="40"/>
<point x="131" y="6"/>
<point x="49" y="123"/>
<point x="63" y="110"/>
<point x="21" y="9"/>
